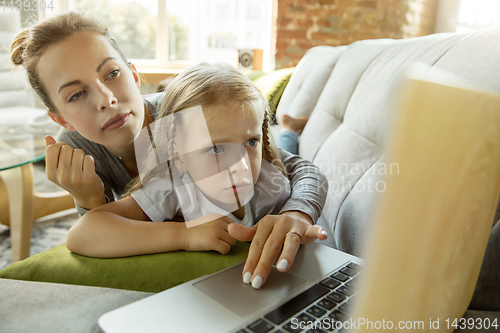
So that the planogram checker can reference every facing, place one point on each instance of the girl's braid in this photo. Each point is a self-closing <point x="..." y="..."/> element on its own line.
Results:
<point x="270" y="153"/>
<point x="170" y="141"/>
<point x="265" y="138"/>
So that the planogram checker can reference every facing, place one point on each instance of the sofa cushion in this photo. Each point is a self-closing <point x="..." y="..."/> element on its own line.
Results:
<point x="13" y="98"/>
<point x="149" y="273"/>
<point x="13" y="80"/>
<point x="6" y="39"/>
<point x="21" y="115"/>
<point x="5" y="64"/>
<point x="253" y="74"/>
<point x="308" y="81"/>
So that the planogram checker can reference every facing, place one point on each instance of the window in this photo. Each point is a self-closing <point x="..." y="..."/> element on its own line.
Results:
<point x="179" y="33"/>
<point x="253" y="12"/>
<point x="221" y="41"/>
<point x="478" y="14"/>
<point x="222" y="12"/>
<point x="467" y="15"/>
<point x="133" y="25"/>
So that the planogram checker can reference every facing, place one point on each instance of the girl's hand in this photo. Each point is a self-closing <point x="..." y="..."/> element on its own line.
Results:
<point x="209" y="236"/>
<point x="268" y="237"/>
<point x="74" y="171"/>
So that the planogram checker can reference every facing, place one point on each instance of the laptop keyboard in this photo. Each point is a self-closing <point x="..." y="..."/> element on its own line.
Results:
<point x="325" y="303"/>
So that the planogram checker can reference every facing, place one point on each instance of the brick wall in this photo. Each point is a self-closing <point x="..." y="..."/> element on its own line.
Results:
<point x="302" y="24"/>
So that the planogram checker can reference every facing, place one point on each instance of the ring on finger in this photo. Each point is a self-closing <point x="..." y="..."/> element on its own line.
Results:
<point x="293" y="232"/>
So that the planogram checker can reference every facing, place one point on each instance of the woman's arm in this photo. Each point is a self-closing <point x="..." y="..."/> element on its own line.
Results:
<point x="294" y="226"/>
<point x="74" y="171"/>
<point x="91" y="188"/>
<point x="121" y="229"/>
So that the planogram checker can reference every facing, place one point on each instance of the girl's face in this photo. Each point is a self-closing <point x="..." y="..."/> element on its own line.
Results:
<point x="225" y="162"/>
<point x="93" y="90"/>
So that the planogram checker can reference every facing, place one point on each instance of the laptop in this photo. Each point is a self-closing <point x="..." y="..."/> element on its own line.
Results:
<point x="423" y="258"/>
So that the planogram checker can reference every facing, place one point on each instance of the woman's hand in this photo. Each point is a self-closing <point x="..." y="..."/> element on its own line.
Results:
<point x="269" y="236"/>
<point x="209" y="233"/>
<point x="74" y="171"/>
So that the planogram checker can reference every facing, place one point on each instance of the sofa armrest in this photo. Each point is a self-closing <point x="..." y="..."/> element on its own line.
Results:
<point x="50" y="307"/>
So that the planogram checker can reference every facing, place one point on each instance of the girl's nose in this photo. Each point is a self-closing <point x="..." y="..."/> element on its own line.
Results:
<point x="240" y="166"/>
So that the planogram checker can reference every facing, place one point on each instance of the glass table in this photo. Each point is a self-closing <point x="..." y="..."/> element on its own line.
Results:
<point x="22" y="132"/>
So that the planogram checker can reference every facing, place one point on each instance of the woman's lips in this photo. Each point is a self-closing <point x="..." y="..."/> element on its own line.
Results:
<point x="116" y="122"/>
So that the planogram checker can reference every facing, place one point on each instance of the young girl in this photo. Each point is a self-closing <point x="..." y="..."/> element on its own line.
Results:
<point x="92" y="91"/>
<point x="214" y="131"/>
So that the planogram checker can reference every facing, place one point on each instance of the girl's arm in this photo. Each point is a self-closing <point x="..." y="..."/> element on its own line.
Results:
<point x="121" y="229"/>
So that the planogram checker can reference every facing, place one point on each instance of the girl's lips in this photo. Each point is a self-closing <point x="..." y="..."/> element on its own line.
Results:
<point x="237" y="188"/>
<point x="116" y="122"/>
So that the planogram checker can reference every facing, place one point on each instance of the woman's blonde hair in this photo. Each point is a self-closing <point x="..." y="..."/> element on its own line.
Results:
<point x="210" y="86"/>
<point x="29" y="44"/>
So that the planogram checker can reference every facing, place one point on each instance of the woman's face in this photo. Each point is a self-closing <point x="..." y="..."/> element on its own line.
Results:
<point x="225" y="161"/>
<point x="93" y="90"/>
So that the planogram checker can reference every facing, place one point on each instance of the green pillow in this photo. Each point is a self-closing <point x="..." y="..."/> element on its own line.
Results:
<point x="272" y="85"/>
<point x="149" y="273"/>
<point x="253" y="74"/>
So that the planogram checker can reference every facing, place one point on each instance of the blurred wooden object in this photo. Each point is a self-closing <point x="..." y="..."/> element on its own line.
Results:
<point x="438" y="210"/>
<point x="20" y="206"/>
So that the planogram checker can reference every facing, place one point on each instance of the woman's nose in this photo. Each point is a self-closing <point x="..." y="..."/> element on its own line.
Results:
<point x="106" y="98"/>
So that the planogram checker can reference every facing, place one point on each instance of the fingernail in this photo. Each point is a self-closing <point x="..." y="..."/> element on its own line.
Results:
<point x="247" y="277"/>
<point x="282" y="265"/>
<point x="324" y="232"/>
<point x="257" y="282"/>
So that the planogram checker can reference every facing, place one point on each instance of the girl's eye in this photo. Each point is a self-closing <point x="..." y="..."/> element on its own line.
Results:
<point x="114" y="73"/>
<point x="215" y="150"/>
<point x="252" y="142"/>
<point x="76" y="96"/>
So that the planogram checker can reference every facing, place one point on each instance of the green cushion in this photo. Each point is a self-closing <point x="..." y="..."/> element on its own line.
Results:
<point x="272" y="85"/>
<point x="253" y="74"/>
<point x="149" y="273"/>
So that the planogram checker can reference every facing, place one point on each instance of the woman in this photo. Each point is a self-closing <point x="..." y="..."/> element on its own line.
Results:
<point x="92" y="91"/>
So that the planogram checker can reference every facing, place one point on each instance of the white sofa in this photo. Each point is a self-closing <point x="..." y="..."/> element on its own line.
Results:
<point x="14" y="88"/>
<point x="348" y="93"/>
<point x="18" y="102"/>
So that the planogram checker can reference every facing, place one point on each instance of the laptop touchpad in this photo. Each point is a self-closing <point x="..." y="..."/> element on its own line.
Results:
<point x="228" y="289"/>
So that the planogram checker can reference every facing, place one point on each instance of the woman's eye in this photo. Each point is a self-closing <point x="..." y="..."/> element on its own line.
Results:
<point x="76" y="96"/>
<point x="252" y="142"/>
<point x="114" y="73"/>
<point x="216" y="150"/>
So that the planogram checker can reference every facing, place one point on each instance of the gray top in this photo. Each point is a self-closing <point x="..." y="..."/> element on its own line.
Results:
<point x="309" y="186"/>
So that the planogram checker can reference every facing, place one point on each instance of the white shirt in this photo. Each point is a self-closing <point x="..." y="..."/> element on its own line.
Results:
<point x="160" y="202"/>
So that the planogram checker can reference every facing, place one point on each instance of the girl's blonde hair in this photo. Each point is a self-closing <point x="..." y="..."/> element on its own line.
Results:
<point x="210" y="86"/>
<point x="29" y="44"/>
